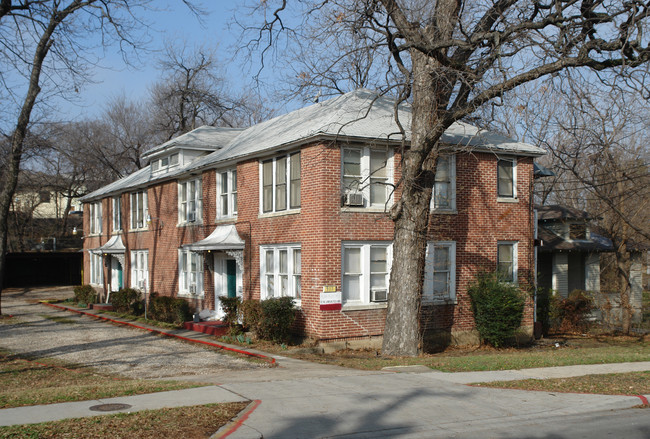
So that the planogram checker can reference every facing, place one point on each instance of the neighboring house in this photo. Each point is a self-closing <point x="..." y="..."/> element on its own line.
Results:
<point x="44" y="203"/>
<point x="571" y="257"/>
<point x="297" y="205"/>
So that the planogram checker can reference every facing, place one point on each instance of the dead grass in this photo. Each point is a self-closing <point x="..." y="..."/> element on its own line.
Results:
<point x="25" y="381"/>
<point x="633" y="383"/>
<point x="181" y="422"/>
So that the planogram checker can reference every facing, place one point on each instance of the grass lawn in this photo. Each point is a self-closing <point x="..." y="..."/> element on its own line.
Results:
<point x="572" y="350"/>
<point x="633" y="383"/>
<point x="25" y="381"/>
<point x="190" y="422"/>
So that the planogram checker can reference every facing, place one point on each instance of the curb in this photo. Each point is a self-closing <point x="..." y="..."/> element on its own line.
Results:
<point x="236" y="422"/>
<point x="269" y="360"/>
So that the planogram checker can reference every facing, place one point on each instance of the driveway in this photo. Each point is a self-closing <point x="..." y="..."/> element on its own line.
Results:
<point x="46" y="332"/>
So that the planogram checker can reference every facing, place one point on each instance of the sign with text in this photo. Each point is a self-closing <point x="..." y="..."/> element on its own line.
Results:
<point x="330" y="299"/>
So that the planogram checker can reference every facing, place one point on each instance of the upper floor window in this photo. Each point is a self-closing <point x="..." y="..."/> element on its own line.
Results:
<point x="163" y="164"/>
<point x="117" y="213"/>
<point x="139" y="210"/>
<point x="507" y="260"/>
<point x="507" y="178"/>
<point x="44" y="196"/>
<point x="227" y="194"/>
<point x="96" y="218"/>
<point x="367" y="176"/>
<point x="366" y="271"/>
<point x="190" y="268"/>
<point x="139" y="269"/>
<point x="189" y="201"/>
<point x="280" y="271"/>
<point x="440" y="272"/>
<point x="578" y="231"/>
<point x="281" y="183"/>
<point x="444" y="189"/>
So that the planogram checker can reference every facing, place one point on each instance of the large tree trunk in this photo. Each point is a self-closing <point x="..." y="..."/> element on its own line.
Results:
<point x="402" y="334"/>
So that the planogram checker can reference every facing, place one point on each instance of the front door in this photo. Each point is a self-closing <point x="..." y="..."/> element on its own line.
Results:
<point x="231" y="277"/>
<point x="116" y="275"/>
<point x="227" y="280"/>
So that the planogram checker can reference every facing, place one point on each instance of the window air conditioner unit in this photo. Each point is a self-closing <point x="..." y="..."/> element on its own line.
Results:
<point x="141" y="285"/>
<point x="354" y="199"/>
<point x="191" y="217"/>
<point x="140" y="225"/>
<point x="378" y="295"/>
<point x="193" y="289"/>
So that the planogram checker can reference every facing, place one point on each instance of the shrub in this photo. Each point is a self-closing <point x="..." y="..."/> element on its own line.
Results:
<point x="498" y="308"/>
<point x="547" y="310"/>
<point x="575" y="310"/>
<point x="126" y="300"/>
<point x="169" y="309"/>
<point x="278" y="315"/>
<point x="251" y="313"/>
<point x="84" y="294"/>
<point x="230" y="306"/>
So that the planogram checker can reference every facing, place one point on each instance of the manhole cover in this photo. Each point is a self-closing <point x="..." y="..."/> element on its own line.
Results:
<point x="109" y="407"/>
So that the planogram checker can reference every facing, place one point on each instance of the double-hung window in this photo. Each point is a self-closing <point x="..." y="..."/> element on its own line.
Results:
<point x="190" y="269"/>
<point x="367" y="175"/>
<point x="96" y="218"/>
<point x="139" y="210"/>
<point x="96" y="269"/>
<point x="280" y="183"/>
<point x="139" y="269"/>
<point x="440" y="272"/>
<point x="507" y="178"/>
<point x="444" y="189"/>
<point x="117" y="213"/>
<point x="227" y="194"/>
<point x="280" y="271"/>
<point x="366" y="271"/>
<point x="189" y="201"/>
<point x="507" y="260"/>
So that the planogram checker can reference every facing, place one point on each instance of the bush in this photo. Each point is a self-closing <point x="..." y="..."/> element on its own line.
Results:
<point x="547" y="310"/>
<point x="498" y="308"/>
<point x="575" y="310"/>
<point x="251" y="313"/>
<point x="85" y="294"/>
<point x="230" y="306"/>
<point x="126" y="300"/>
<point x="169" y="309"/>
<point x="278" y="315"/>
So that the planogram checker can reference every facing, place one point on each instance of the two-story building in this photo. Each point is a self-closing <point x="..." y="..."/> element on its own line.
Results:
<point x="298" y="203"/>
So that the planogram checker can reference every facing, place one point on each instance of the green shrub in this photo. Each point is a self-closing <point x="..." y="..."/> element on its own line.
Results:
<point x="251" y="313"/>
<point x="169" y="309"/>
<point x="126" y="300"/>
<point x="230" y="306"/>
<point x="498" y="308"/>
<point x="575" y="310"/>
<point x="84" y="294"/>
<point x="278" y="315"/>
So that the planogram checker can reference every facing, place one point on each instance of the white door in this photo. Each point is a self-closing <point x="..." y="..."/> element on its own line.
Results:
<point x="227" y="280"/>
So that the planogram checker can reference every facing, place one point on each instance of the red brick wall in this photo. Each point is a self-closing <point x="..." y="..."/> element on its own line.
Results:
<point x="321" y="226"/>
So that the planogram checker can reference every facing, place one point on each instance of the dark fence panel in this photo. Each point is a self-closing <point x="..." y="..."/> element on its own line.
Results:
<point x="43" y="269"/>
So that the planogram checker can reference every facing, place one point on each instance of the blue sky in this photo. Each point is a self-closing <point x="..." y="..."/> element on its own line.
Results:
<point x="172" y="21"/>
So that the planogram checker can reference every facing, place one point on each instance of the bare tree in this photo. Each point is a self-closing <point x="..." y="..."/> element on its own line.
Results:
<point x="48" y="43"/>
<point x="454" y="56"/>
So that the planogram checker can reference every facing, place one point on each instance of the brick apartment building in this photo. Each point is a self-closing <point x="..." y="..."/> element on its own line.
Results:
<point x="297" y="203"/>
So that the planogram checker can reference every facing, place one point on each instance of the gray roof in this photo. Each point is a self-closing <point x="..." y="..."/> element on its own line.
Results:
<point x="361" y="115"/>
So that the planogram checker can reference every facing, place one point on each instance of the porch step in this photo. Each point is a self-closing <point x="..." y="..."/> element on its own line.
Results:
<point x="216" y="328"/>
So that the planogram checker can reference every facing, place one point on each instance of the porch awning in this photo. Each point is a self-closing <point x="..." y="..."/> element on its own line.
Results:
<point x="114" y="245"/>
<point x="223" y="238"/>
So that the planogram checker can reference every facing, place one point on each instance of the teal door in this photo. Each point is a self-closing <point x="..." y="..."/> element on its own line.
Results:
<point x="120" y="280"/>
<point x="231" y="277"/>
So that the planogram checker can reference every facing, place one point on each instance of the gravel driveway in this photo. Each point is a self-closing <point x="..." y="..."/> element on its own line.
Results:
<point x="107" y="347"/>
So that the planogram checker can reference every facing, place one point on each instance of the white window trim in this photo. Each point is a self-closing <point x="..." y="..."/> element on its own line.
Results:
<point x="117" y="213"/>
<point x="515" y="258"/>
<point x="96" y="275"/>
<point x="139" y="273"/>
<point x="275" y="248"/>
<point x="184" y="272"/>
<point x="96" y="218"/>
<point x="163" y="169"/>
<point x="288" y="208"/>
<point x="232" y="196"/>
<point x="364" y="279"/>
<point x="501" y="198"/>
<point x="145" y="210"/>
<point x="427" y="292"/>
<point x="365" y="178"/>
<point x="183" y="214"/>
<point x="452" y="184"/>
